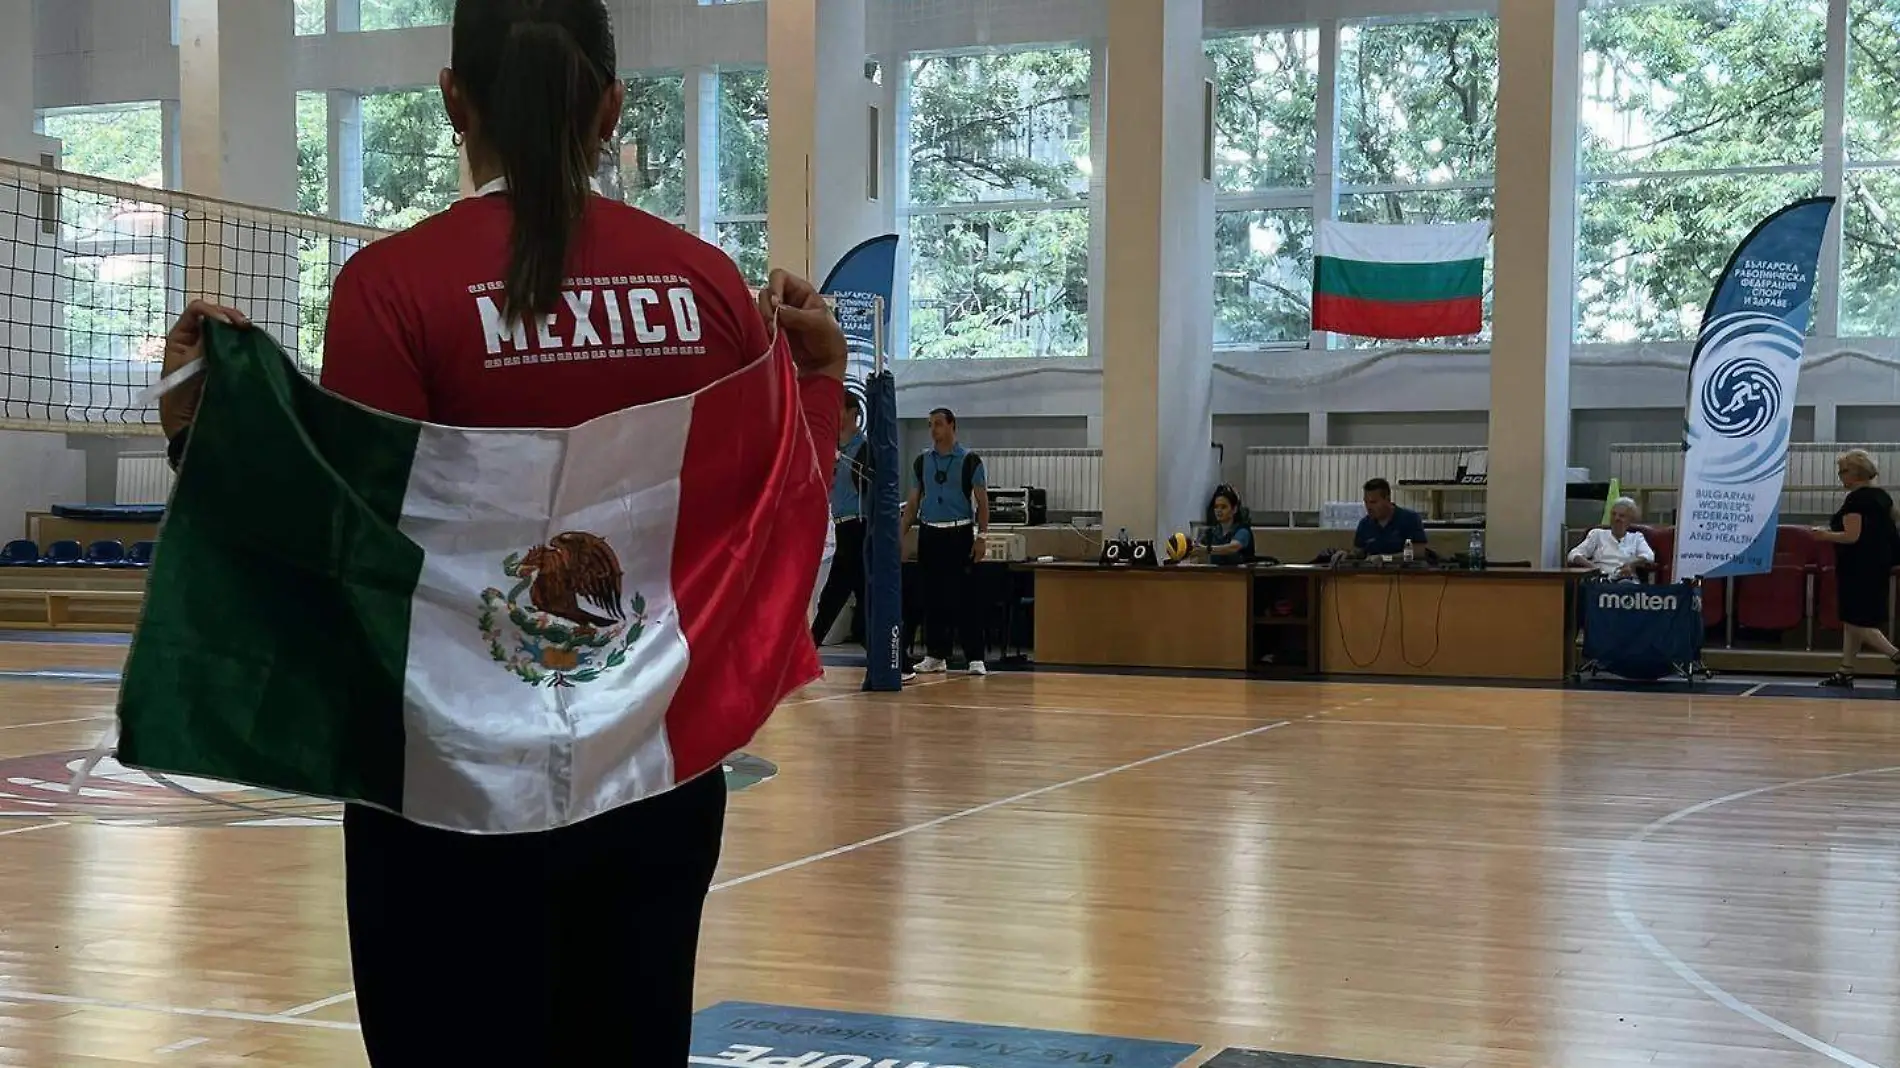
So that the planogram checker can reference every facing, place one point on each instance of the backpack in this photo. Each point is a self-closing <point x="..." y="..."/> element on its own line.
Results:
<point x="971" y="461"/>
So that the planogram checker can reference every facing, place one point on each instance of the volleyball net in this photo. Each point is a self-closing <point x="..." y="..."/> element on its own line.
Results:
<point x="94" y="272"/>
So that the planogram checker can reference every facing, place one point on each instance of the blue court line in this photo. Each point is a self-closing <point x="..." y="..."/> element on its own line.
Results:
<point x="63" y="637"/>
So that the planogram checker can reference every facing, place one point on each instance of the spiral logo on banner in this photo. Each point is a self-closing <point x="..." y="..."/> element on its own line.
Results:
<point x="1741" y="398"/>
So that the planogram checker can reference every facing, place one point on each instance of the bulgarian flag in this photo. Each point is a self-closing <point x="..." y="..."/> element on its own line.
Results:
<point x="479" y="630"/>
<point x="1400" y="282"/>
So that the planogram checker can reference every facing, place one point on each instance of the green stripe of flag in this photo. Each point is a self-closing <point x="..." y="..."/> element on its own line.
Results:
<point x="283" y="527"/>
<point x="1399" y="282"/>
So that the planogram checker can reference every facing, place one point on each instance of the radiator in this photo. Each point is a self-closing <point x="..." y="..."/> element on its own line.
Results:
<point x="144" y="478"/>
<point x="1073" y="477"/>
<point x="1305" y="478"/>
<point x="1652" y="473"/>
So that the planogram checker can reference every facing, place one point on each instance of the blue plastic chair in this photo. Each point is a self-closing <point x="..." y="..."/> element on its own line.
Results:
<point x="140" y="554"/>
<point x="65" y="554"/>
<point x="20" y="554"/>
<point x="105" y="554"/>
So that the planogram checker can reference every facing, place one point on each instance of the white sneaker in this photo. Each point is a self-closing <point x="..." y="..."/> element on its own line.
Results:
<point x="930" y="665"/>
<point x="977" y="668"/>
<point x="908" y="676"/>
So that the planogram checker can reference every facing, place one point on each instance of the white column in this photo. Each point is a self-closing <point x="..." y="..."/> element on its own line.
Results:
<point x="1326" y="151"/>
<point x="1827" y="422"/>
<point x="1318" y="429"/>
<point x="238" y="104"/>
<point x="17" y="140"/>
<point x="1098" y="192"/>
<point x="1827" y="311"/>
<point x="345" y="146"/>
<point x="1533" y="249"/>
<point x="820" y="148"/>
<point x="1157" y="291"/>
<point x="700" y="88"/>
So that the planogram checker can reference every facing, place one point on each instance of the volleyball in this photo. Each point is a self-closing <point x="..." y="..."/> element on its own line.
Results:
<point x="1178" y="547"/>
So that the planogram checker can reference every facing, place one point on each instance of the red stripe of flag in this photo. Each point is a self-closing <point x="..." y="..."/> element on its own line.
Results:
<point x="1398" y="321"/>
<point x="754" y="510"/>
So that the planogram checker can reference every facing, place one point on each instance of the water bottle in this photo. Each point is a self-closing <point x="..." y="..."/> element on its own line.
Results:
<point x="1122" y="536"/>
<point x="1475" y="551"/>
<point x="1410" y="555"/>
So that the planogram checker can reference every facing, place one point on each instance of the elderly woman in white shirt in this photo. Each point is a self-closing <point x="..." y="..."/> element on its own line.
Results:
<point x="1618" y="552"/>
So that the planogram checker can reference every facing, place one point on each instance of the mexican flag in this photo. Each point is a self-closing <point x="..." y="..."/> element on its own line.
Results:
<point x="480" y="630"/>
<point x="1400" y="282"/>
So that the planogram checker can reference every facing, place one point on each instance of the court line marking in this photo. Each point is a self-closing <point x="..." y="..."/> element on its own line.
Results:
<point x="52" y="723"/>
<point x="1755" y="689"/>
<point x="852" y="847"/>
<point x="977" y="810"/>
<point x="34" y="827"/>
<point x="174" y="1010"/>
<point x="1617" y="877"/>
<point x="1424" y="726"/>
<point x="309" y="1007"/>
<point x="181" y="1045"/>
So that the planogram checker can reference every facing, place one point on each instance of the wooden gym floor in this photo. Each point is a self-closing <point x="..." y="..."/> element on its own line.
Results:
<point x="1423" y="876"/>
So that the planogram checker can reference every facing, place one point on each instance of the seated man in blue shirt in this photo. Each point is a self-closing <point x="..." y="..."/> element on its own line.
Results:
<point x="1387" y="528"/>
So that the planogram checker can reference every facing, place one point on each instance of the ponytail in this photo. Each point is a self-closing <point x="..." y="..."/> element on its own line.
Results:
<point x="536" y="71"/>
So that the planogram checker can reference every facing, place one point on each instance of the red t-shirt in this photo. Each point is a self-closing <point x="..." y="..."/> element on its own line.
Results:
<point x="649" y="312"/>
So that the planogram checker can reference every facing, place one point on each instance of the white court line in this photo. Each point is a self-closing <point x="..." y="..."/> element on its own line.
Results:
<point x="52" y="723"/>
<point x="1423" y="726"/>
<point x="173" y="1010"/>
<point x="34" y="827"/>
<point x="792" y="865"/>
<point x="909" y="686"/>
<point x="1755" y="689"/>
<point x="181" y="1045"/>
<point x="309" y="1007"/>
<point x="1617" y="878"/>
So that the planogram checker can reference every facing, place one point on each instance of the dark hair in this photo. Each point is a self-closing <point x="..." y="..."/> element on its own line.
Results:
<point x="948" y="415"/>
<point x="534" y="71"/>
<point x="1233" y="499"/>
<point x="1380" y="486"/>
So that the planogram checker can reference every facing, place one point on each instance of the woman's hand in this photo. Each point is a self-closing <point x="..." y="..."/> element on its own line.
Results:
<point x="818" y="342"/>
<point x="186" y="343"/>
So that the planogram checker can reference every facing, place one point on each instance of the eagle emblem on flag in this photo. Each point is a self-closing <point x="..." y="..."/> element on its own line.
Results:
<point x="576" y="624"/>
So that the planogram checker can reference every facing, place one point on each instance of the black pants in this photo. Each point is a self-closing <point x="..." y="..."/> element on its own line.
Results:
<point x="566" y="947"/>
<point x="949" y="604"/>
<point x="846" y="580"/>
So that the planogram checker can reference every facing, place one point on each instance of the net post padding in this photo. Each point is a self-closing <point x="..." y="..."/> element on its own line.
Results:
<point x="884" y="536"/>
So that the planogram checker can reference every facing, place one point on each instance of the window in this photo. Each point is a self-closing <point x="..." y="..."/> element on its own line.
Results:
<point x="1418" y="102"/>
<point x="999" y="220"/>
<point x="1418" y="125"/>
<point x="411" y="169"/>
<point x="1265" y="136"/>
<point x="112" y="250"/>
<point x="1266" y="109"/>
<point x="1699" y="118"/>
<point x="311" y="16"/>
<point x="645" y="163"/>
<point x="403" y="14"/>
<point x="124" y="142"/>
<point x="313" y="153"/>
<point x="743" y="155"/>
<point x="1870" y="197"/>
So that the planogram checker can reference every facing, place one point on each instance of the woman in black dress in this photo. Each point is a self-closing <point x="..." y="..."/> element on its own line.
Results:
<point x="1864" y="540"/>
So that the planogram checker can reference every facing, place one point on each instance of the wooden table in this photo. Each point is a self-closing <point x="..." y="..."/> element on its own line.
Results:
<point x="1501" y="624"/>
<point x="1180" y="616"/>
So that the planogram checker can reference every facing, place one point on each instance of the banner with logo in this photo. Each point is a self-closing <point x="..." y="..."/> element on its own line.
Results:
<point x="860" y="290"/>
<point x="1742" y="382"/>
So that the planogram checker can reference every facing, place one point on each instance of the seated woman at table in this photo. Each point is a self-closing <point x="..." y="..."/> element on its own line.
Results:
<point x="1229" y="536"/>
<point x="1618" y="552"/>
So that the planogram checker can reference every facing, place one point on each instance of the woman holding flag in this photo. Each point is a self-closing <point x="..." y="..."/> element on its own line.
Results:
<point x="588" y="930"/>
